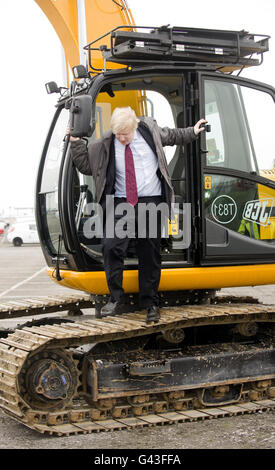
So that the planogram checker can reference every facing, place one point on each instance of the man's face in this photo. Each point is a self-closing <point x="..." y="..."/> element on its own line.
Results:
<point x="125" y="137"/>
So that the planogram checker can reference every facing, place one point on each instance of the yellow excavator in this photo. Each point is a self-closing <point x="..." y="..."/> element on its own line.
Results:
<point x="206" y="357"/>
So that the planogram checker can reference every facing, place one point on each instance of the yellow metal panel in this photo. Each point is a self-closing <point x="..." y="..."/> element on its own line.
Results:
<point x="101" y="17"/>
<point x="174" y="279"/>
<point x="131" y="98"/>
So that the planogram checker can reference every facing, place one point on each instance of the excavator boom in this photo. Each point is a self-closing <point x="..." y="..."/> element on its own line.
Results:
<point x="78" y="22"/>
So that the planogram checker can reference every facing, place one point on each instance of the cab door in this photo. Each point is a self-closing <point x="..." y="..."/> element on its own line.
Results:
<point x="237" y="171"/>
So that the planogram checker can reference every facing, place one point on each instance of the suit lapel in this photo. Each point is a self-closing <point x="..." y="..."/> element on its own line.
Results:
<point x="146" y="134"/>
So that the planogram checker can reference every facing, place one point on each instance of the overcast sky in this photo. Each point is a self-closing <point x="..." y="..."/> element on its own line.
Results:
<point x="31" y="56"/>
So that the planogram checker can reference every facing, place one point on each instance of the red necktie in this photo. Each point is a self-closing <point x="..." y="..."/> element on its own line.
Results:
<point x="130" y="177"/>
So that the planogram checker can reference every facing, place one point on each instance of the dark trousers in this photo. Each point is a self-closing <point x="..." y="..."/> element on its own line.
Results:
<point x="147" y="248"/>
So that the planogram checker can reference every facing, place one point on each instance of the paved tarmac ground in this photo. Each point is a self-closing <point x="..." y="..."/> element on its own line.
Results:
<point x="22" y="274"/>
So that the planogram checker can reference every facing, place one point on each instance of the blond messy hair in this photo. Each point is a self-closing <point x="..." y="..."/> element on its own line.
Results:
<point x="123" y="120"/>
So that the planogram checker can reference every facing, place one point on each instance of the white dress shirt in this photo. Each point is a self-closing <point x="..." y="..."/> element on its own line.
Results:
<point x="146" y="166"/>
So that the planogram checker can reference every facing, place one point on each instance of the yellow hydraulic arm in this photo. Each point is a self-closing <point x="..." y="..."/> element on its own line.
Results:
<point x="78" y="22"/>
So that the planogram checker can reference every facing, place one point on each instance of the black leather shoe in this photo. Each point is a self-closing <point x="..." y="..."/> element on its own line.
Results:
<point x="153" y="314"/>
<point x="110" y="309"/>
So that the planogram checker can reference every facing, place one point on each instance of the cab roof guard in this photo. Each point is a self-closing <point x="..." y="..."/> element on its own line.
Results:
<point x="214" y="49"/>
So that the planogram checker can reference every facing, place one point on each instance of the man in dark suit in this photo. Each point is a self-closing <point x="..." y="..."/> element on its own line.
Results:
<point x="129" y="163"/>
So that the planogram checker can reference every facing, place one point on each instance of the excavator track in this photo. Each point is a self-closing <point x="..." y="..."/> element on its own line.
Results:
<point x="41" y="305"/>
<point x="67" y="412"/>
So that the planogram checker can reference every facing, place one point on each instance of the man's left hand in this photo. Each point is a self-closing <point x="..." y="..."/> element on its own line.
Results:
<point x="197" y="128"/>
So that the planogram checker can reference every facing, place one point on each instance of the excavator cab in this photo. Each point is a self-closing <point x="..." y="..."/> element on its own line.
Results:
<point x="223" y="182"/>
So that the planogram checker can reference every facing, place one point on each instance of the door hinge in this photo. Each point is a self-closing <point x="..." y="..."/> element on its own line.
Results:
<point x="197" y="231"/>
<point x="192" y="95"/>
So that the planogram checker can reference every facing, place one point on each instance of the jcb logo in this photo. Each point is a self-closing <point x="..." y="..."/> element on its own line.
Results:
<point x="258" y="211"/>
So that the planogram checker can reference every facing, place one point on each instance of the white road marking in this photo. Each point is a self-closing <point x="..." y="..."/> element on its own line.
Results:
<point x="22" y="282"/>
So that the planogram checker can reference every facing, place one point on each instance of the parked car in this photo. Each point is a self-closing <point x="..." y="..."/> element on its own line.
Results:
<point x="3" y="226"/>
<point x="23" y="232"/>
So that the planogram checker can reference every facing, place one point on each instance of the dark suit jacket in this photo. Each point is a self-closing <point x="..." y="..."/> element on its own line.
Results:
<point x="98" y="161"/>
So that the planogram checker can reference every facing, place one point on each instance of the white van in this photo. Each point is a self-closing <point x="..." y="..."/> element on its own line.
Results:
<point x="23" y="232"/>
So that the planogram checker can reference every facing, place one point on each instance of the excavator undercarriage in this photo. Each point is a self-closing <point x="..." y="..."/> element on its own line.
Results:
<point x="82" y="374"/>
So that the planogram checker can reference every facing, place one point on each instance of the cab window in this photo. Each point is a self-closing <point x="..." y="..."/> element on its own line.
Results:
<point x="239" y="118"/>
